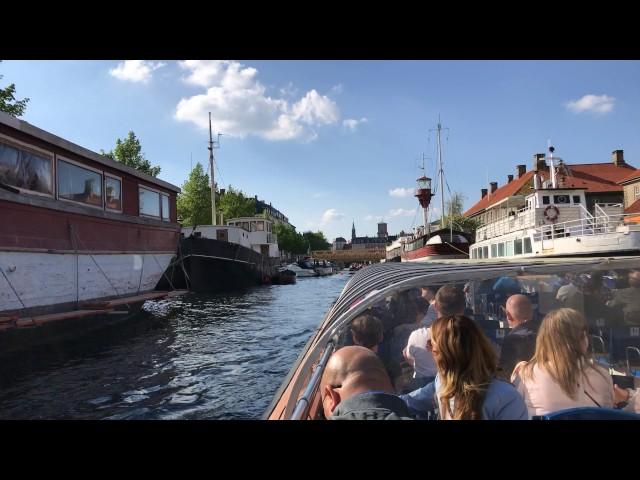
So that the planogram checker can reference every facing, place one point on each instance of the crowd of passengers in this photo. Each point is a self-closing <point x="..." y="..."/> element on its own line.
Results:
<point x="418" y="356"/>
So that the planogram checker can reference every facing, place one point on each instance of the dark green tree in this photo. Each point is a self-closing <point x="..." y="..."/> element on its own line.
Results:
<point x="8" y="102"/>
<point x="129" y="152"/>
<point x="194" y="202"/>
<point x="289" y="240"/>
<point x="234" y="204"/>
<point x="316" y="240"/>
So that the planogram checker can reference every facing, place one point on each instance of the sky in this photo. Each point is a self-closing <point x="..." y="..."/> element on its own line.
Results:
<point x="329" y="143"/>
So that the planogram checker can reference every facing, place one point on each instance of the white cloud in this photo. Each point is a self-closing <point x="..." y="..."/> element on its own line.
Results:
<point x="352" y="123"/>
<point x="368" y="218"/>
<point x="135" y="70"/>
<point x="401" y="192"/>
<point x="331" y="215"/>
<point x="592" y="103"/>
<point x="240" y="106"/>
<point x="401" y="212"/>
<point x="337" y="89"/>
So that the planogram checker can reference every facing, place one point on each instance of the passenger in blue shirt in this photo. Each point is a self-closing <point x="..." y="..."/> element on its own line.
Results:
<point x="465" y="387"/>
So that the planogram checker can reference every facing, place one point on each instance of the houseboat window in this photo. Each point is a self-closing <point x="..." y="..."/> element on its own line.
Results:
<point x="245" y="225"/>
<point x="485" y="252"/>
<point x="79" y="184"/>
<point x="268" y="226"/>
<point x="518" y="246"/>
<point x="527" y="245"/>
<point x="113" y="193"/>
<point x="509" y="251"/>
<point x="561" y="199"/>
<point x="260" y="226"/>
<point x="24" y="169"/>
<point x="253" y="226"/>
<point x="165" y="207"/>
<point x="545" y="200"/>
<point x="576" y="199"/>
<point x="494" y="251"/>
<point x="501" y="249"/>
<point x="149" y="203"/>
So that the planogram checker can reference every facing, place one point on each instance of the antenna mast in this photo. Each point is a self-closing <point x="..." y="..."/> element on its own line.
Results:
<point x="211" y="146"/>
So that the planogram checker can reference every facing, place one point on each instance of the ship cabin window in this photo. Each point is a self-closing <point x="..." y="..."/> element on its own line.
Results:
<point x="501" y="249"/>
<point x="576" y="199"/>
<point x="509" y="249"/>
<point x="269" y="227"/>
<point x="527" y="245"/>
<point x="79" y="184"/>
<point x="260" y="226"/>
<point x="545" y="199"/>
<point x="25" y="168"/>
<point x="561" y="199"/>
<point x="485" y="252"/>
<point x="149" y="203"/>
<point x="165" y="207"/>
<point x="112" y="193"/>
<point x="494" y="251"/>
<point x="245" y="225"/>
<point x="517" y="244"/>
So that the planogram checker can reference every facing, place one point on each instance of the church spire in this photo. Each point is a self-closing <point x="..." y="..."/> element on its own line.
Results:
<point x="353" y="230"/>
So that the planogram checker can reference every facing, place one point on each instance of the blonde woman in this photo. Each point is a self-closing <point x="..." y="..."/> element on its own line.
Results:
<point x="561" y="373"/>
<point x="465" y="387"/>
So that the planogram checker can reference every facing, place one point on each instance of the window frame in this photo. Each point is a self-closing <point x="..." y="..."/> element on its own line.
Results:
<point x="168" y="219"/>
<point x="80" y="165"/>
<point x="104" y="186"/>
<point x="38" y="151"/>
<point x="140" y="214"/>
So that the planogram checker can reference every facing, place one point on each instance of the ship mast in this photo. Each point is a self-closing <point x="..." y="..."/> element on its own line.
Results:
<point x="211" y="146"/>
<point x="441" y="174"/>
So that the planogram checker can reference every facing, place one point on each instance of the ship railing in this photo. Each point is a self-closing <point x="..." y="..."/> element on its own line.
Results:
<point x="595" y="225"/>
<point x="523" y="218"/>
<point x="304" y="402"/>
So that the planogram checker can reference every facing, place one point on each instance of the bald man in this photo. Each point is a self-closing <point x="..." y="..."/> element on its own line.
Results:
<point x="355" y="386"/>
<point x="520" y="344"/>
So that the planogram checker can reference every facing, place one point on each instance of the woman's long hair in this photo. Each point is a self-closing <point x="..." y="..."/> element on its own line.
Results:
<point x="560" y="350"/>
<point x="466" y="363"/>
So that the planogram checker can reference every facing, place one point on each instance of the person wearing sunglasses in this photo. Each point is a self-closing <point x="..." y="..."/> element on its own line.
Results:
<point x="465" y="387"/>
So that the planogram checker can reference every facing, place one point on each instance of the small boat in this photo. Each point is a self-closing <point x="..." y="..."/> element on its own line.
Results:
<point x="614" y="342"/>
<point x="284" y="277"/>
<point x="302" y="272"/>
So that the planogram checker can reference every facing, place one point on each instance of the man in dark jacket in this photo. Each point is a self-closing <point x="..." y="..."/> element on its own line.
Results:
<point x="520" y="344"/>
<point x="355" y="386"/>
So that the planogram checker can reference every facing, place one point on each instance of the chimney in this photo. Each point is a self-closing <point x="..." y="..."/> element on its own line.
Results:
<point x="509" y="178"/>
<point x="521" y="169"/>
<point x="222" y="190"/>
<point x="494" y="186"/>
<point x="539" y="161"/>
<point x="617" y="156"/>
<point x="483" y="193"/>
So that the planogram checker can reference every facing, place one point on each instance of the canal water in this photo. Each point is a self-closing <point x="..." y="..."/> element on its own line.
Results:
<point x="199" y="356"/>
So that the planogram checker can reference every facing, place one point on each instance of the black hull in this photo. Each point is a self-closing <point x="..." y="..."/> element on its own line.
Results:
<point x="215" y="266"/>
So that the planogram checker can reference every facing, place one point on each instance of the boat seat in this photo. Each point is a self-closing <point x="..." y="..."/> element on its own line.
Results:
<point x="588" y="413"/>
<point x="620" y="339"/>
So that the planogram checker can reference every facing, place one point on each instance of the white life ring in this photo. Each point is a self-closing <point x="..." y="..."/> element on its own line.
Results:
<point x="551" y="213"/>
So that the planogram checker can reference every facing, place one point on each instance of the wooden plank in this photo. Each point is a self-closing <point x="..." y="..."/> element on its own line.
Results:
<point x="177" y="293"/>
<point x="138" y="298"/>
<point x="53" y="317"/>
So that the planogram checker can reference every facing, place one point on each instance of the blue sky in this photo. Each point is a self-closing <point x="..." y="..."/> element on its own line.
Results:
<point x="328" y="141"/>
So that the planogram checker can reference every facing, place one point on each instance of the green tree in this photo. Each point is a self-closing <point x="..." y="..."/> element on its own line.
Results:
<point x="455" y="204"/>
<point x="317" y="240"/>
<point x="129" y="152"/>
<point x="289" y="240"/>
<point x="8" y="102"/>
<point x="462" y="223"/>
<point x="194" y="202"/>
<point x="234" y="204"/>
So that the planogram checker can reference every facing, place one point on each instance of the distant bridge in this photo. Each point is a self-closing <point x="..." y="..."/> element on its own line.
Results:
<point x="351" y="256"/>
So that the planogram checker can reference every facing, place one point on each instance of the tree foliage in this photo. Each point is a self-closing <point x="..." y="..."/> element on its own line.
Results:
<point x="316" y="240"/>
<point x="194" y="202"/>
<point x="289" y="240"/>
<point x="8" y="102"/>
<point x="234" y="204"/>
<point x="129" y="152"/>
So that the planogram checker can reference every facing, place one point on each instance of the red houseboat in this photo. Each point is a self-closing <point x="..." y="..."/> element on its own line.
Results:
<point x="81" y="235"/>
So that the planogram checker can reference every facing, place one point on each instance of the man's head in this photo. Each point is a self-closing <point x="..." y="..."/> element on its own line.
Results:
<point x="450" y="301"/>
<point x="634" y="278"/>
<point x="518" y="310"/>
<point x="366" y="331"/>
<point x="351" y="370"/>
<point x="429" y="293"/>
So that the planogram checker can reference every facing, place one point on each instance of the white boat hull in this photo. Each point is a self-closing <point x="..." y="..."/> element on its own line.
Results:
<point x="43" y="279"/>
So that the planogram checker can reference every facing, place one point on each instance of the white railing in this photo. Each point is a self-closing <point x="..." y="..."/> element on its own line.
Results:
<point x="524" y="218"/>
<point x="598" y="225"/>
